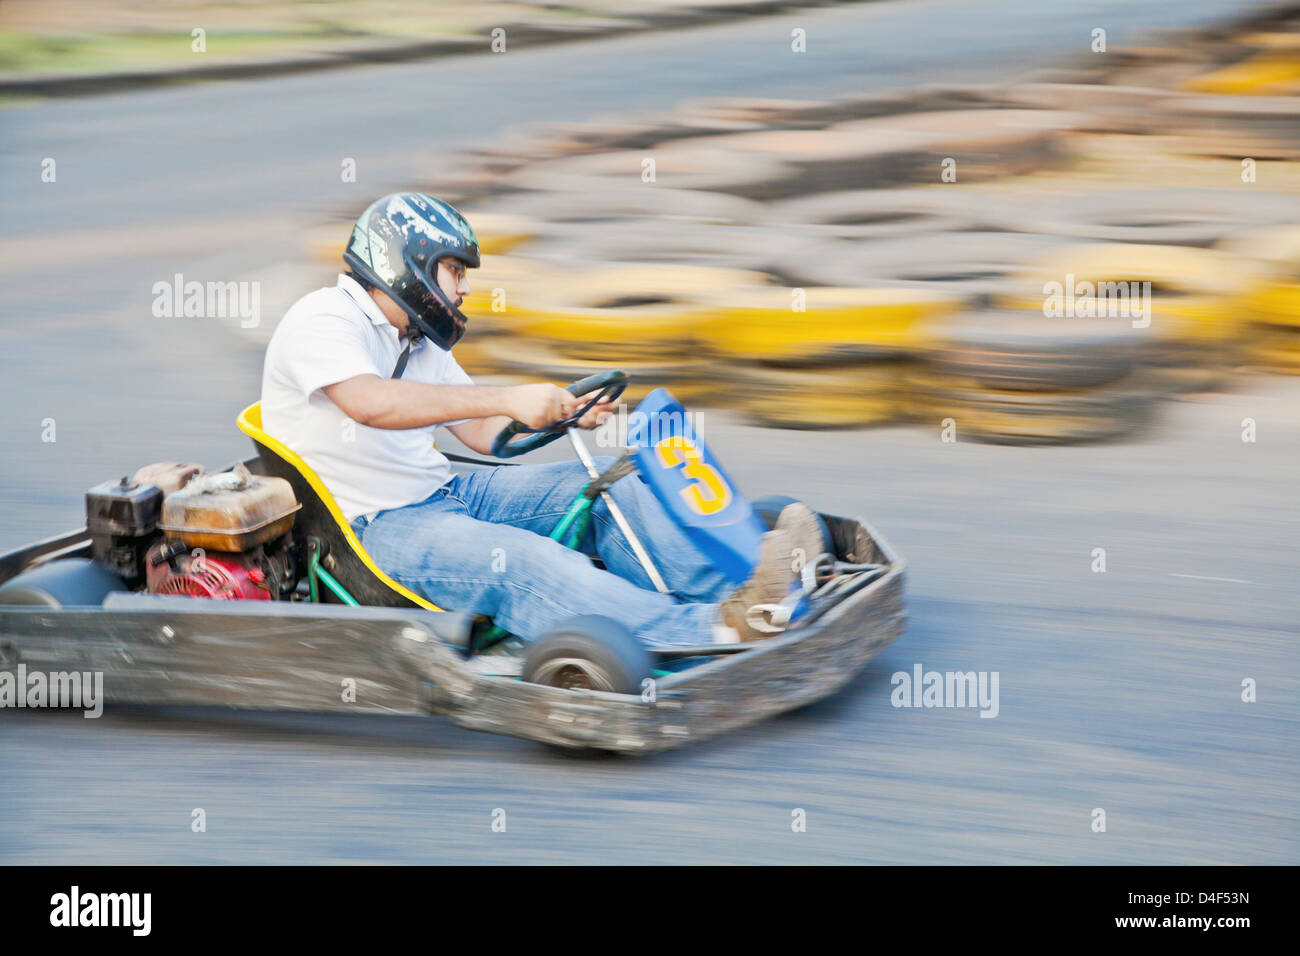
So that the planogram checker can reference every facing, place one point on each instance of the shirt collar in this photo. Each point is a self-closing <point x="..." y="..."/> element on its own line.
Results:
<point x="370" y="307"/>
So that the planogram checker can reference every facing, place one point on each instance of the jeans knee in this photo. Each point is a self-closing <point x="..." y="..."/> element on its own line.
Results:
<point x="542" y="558"/>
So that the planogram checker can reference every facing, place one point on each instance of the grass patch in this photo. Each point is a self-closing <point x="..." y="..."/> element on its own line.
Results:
<point x="108" y="53"/>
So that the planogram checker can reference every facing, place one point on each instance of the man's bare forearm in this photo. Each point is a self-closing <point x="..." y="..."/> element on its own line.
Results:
<point x="396" y="404"/>
<point x="478" y="434"/>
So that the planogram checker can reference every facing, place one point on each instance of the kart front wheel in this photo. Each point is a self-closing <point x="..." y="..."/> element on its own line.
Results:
<point x="591" y="652"/>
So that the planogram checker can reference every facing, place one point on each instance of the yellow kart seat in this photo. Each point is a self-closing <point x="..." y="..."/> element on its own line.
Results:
<point x="321" y="516"/>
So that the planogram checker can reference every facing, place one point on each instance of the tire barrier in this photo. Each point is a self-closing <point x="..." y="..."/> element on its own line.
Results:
<point x="1174" y="216"/>
<point x="1261" y="127"/>
<point x="789" y="256"/>
<point x="624" y="313"/>
<point x="1277" y="247"/>
<point x="804" y="114"/>
<point x="772" y="113"/>
<point x="1101" y="108"/>
<point x="526" y="360"/>
<point x="628" y="133"/>
<point x="1273" y="304"/>
<point x="1022" y="418"/>
<point x="636" y="200"/>
<point x="809" y="263"/>
<point x="826" y="395"/>
<point x="894" y="150"/>
<point x="969" y="264"/>
<point x="840" y="361"/>
<point x="1277" y="346"/>
<point x="810" y="326"/>
<point x="1017" y="377"/>
<point x="1034" y="354"/>
<point x="1194" y="295"/>
<point x="871" y="214"/>
<point x="681" y="165"/>
<point x="1273" y="72"/>
<point x="1176" y="270"/>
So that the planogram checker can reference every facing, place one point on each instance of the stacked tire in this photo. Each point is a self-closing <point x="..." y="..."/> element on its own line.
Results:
<point x="1013" y="377"/>
<point x="819" y="357"/>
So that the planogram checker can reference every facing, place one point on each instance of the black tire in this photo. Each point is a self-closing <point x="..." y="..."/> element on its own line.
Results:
<point x="70" y="582"/>
<point x="769" y="509"/>
<point x="590" y="652"/>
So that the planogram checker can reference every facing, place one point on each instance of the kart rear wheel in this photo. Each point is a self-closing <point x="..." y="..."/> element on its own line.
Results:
<point x="590" y="652"/>
<point x="69" y="582"/>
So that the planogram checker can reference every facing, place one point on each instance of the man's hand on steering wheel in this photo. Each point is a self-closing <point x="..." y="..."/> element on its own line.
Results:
<point x="547" y="412"/>
<point x="597" y="414"/>
<point x="538" y="406"/>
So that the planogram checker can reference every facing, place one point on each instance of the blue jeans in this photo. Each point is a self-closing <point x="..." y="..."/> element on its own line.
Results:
<point x="479" y="543"/>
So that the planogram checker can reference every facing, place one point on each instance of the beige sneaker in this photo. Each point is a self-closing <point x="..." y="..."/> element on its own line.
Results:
<point x="794" y="542"/>
<point x="807" y="529"/>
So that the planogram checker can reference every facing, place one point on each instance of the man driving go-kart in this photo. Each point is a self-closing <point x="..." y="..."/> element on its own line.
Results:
<point x="358" y="376"/>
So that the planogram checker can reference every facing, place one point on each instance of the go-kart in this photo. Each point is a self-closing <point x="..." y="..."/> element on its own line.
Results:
<point x="289" y="611"/>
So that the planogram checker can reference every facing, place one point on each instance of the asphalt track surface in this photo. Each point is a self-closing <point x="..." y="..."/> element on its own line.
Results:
<point x="1119" y="691"/>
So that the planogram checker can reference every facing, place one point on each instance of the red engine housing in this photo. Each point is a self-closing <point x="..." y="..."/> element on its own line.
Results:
<point x="214" y="574"/>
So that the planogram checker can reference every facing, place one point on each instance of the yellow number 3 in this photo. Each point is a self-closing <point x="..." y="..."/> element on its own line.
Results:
<point x="677" y="450"/>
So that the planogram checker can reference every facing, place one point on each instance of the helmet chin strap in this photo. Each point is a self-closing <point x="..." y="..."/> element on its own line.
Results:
<point x="413" y="334"/>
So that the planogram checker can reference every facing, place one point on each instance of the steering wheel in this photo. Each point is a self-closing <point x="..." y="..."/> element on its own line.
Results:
<point x="608" y="384"/>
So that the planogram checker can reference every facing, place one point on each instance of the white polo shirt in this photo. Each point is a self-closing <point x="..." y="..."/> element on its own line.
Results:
<point x="331" y="335"/>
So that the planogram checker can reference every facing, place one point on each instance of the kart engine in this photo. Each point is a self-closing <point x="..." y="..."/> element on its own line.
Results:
<point x="251" y="576"/>
<point x="178" y="532"/>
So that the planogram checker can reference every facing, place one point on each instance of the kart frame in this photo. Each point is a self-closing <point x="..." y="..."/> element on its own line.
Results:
<point x="408" y="660"/>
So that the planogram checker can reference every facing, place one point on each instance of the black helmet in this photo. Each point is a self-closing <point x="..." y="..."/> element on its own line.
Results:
<point x="396" y="245"/>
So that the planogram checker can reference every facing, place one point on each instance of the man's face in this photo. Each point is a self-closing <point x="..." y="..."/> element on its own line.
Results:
<point x="452" y="280"/>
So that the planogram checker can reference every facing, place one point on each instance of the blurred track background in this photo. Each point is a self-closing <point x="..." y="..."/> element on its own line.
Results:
<point x="1118" y="690"/>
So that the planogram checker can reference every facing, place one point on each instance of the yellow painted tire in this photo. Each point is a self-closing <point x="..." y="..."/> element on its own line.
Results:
<point x="824" y="396"/>
<point x="499" y="283"/>
<point x="1266" y="74"/>
<point x="624" y="311"/>
<point x="1035" y="419"/>
<point x="1196" y="294"/>
<point x="1180" y="270"/>
<point x="1002" y="428"/>
<point x="1277" y="303"/>
<point x="1277" y="348"/>
<point x="822" y="411"/>
<point x="758" y="323"/>
<point x="476" y="351"/>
